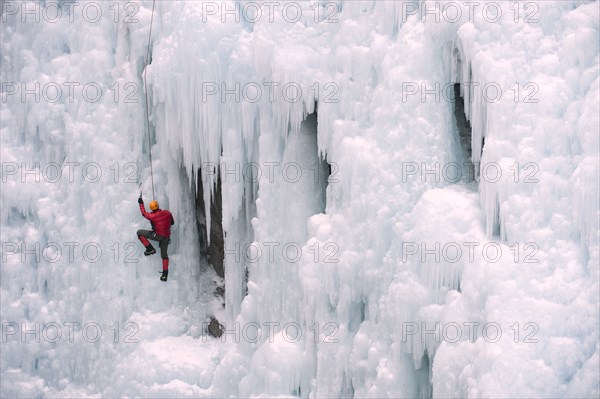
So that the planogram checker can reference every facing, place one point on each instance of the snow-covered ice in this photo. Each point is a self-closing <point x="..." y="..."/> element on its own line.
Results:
<point x="360" y="259"/>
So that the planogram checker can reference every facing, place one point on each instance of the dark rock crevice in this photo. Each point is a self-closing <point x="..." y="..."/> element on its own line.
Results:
<point x="211" y="239"/>
<point x="463" y="127"/>
<point x="212" y="249"/>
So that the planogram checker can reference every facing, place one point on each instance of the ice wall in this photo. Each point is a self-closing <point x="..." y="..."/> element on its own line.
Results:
<point x="215" y="87"/>
<point x="538" y="136"/>
<point x="74" y="151"/>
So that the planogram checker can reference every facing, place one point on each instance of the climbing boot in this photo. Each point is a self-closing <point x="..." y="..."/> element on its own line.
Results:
<point x="164" y="276"/>
<point x="150" y="250"/>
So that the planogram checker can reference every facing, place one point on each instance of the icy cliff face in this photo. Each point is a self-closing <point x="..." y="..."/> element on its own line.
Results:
<point x="361" y="259"/>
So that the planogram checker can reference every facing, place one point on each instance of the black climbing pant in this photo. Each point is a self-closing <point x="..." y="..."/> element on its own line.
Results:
<point x="163" y="242"/>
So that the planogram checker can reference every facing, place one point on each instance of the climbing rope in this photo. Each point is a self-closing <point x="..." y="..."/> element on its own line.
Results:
<point x="147" y="103"/>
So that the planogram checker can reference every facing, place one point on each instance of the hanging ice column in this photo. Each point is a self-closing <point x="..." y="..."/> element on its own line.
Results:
<point x="294" y="195"/>
<point x="295" y="192"/>
<point x="303" y="181"/>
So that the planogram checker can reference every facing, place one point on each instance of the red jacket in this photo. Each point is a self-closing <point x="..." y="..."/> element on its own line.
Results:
<point x="161" y="220"/>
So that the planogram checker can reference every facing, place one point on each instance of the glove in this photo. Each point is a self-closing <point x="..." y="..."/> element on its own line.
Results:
<point x="140" y="201"/>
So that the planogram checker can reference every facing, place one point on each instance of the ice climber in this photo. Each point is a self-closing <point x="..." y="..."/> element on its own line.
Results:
<point x="161" y="221"/>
